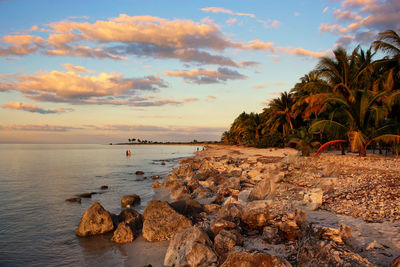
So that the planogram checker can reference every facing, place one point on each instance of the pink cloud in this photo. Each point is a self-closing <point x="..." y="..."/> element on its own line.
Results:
<point x="206" y="76"/>
<point x="226" y="11"/>
<point x="259" y="86"/>
<point x="33" y="108"/>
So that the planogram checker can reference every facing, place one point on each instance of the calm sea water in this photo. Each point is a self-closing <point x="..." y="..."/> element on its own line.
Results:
<point x="37" y="225"/>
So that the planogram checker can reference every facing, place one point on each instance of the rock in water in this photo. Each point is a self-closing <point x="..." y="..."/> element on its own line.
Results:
<point x="74" y="199"/>
<point x="161" y="221"/>
<point x="130" y="200"/>
<point x="96" y="220"/>
<point x="262" y="189"/>
<point x="245" y="259"/>
<point x="131" y="217"/>
<point x="123" y="234"/>
<point x="139" y="172"/>
<point x="190" y="247"/>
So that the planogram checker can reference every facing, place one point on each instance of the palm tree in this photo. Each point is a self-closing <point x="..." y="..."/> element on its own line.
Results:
<point x="281" y="113"/>
<point x="304" y="142"/>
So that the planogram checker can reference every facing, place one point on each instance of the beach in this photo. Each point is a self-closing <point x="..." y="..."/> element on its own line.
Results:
<point x="351" y="200"/>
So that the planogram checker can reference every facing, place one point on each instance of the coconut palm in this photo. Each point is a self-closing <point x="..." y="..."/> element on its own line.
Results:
<point x="282" y="113"/>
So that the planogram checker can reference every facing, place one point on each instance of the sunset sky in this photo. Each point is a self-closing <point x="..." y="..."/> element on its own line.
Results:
<point x="104" y="71"/>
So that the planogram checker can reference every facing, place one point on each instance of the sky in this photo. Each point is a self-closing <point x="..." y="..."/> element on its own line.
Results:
<point x="99" y="71"/>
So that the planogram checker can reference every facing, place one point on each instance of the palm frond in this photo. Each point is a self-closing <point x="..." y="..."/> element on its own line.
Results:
<point x="328" y="144"/>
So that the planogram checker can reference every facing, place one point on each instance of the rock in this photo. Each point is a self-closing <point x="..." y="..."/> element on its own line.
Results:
<point x="74" y="199"/>
<point x="246" y="259"/>
<point x="374" y="245"/>
<point x="262" y="189"/>
<point x="211" y="208"/>
<point x="130" y="200"/>
<point x="315" y="251"/>
<point x="161" y="221"/>
<point x="180" y="193"/>
<point x="255" y="214"/>
<point x="86" y="195"/>
<point x="290" y="229"/>
<point x="395" y="262"/>
<point x="313" y="199"/>
<point x="193" y="184"/>
<point x="95" y="220"/>
<point x="225" y="241"/>
<point x="104" y="187"/>
<point x="188" y="208"/>
<point x="131" y="217"/>
<point x="190" y="247"/>
<point x="339" y="236"/>
<point x="271" y="235"/>
<point x="156" y="184"/>
<point x="218" y="225"/>
<point x="163" y="163"/>
<point x="155" y="177"/>
<point x="202" y="192"/>
<point x="230" y="212"/>
<point x="139" y="172"/>
<point x="253" y="173"/>
<point x="123" y="234"/>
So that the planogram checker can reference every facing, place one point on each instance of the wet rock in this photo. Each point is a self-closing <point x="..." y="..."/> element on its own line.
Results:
<point x="190" y="247"/>
<point x="163" y="163"/>
<point x="86" y="195"/>
<point x="217" y="225"/>
<point x="139" y="172"/>
<point x="74" y="199"/>
<point x="262" y="189"/>
<point x="374" y="245"/>
<point x="130" y="200"/>
<point x="95" y="220"/>
<point x="131" y="217"/>
<point x="201" y="193"/>
<point x="124" y="234"/>
<point x="104" y="187"/>
<point x="255" y="214"/>
<point x="193" y="184"/>
<point x="225" y="241"/>
<point x="161" y="221"/>
<point x="155" y="177"/>
<point x="156" y="184"/>
<point x="188" y="208"/>
<point x="246" y="259"/>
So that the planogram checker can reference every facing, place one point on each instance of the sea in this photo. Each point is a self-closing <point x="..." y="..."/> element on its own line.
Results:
<point x="37" y="225"/>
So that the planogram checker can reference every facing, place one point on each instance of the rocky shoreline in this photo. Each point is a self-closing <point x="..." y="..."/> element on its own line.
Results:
<point x="230" y="206"/>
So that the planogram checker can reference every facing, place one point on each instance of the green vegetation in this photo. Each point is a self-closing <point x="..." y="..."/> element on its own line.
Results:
<point x="349" y="99"/>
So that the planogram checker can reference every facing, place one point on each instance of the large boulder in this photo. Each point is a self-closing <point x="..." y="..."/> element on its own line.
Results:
<point x="262" y="189"/>
<point x="130" y="200"/>
<point x="95" y="220"/>
<point x="190" y="247"/>
<point x="161" y="221"/>
<point x="131" y="217"/>
<point x="189" y="207"/>
<point x="225" y="241"/>
<point x="230" y="212"/>
<point x="124" y="234"/>
<point x="246" y="259"/>
<point x="255" y="214"/>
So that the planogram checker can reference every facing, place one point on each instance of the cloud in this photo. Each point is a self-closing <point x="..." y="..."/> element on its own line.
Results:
<point x="364" y="19"/>
<point x="33" y="108"/>
<point x="191" y="99"/>
<point x="231" y="21"/>
<point x="211" y="97"/>
<point x="39" y="128"/>
<point x="20" y="44"/>
<point x="325" y="10"/>
<point x="259" y="86"/>
<point x="268" y="24"/>
<point x="304" y="52"/>
<point x="206" y="76"/>
<point x="250" y="64"/>
<point x="78" y="69"/>
<point x="296" y="14"/>
<point x="226" y="11"/>
<point x="78" y="88"/>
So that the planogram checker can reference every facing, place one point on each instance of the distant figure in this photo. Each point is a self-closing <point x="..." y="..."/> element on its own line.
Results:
<point x="197" y="148"/>
<point x="128" y="153"/>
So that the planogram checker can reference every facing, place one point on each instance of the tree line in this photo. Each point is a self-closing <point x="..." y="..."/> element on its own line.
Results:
<point x="350" y="100"/>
